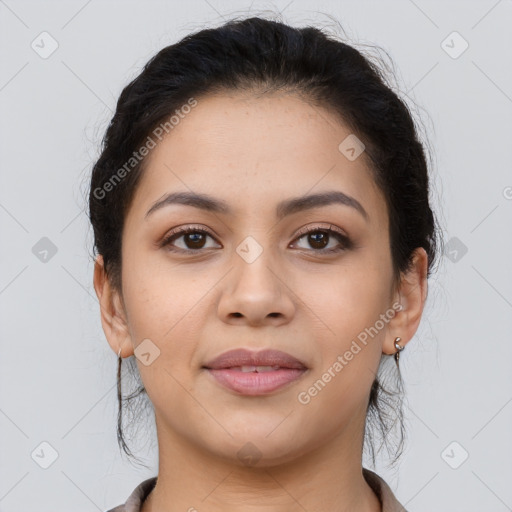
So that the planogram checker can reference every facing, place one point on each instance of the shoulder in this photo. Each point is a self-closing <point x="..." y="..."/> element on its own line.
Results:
<point x="137" y="497"/>
<point x="383" y="492"/>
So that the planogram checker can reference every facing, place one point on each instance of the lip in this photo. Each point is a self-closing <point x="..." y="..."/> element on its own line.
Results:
<point x="244" y="357"/>
<point x="226" y="369"/>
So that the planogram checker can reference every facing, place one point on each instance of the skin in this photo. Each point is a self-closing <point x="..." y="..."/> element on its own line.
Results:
<point x="253" y="152"/>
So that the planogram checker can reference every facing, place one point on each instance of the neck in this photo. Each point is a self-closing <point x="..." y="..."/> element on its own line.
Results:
<point x="326" y="478"/>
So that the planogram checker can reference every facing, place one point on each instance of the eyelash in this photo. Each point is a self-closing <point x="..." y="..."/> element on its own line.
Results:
<point x="345" y="242"/>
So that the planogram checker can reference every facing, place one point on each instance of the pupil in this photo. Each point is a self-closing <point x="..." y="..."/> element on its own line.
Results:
<point x="322" y="237"/>
<point x="196" y="239"/>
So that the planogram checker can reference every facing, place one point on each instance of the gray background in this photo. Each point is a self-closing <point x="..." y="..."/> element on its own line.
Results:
<point x="57" y="372"/>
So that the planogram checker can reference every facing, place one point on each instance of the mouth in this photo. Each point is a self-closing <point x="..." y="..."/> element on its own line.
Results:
<point x="255" y="373"/>
<point x="258" y="369"/>
<point x="266" y="360"/>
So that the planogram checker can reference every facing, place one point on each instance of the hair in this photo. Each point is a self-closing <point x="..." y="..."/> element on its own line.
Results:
<point x="257" y="55"/>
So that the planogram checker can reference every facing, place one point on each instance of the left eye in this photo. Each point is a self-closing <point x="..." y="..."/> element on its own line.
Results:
<point x="320" y="238"/>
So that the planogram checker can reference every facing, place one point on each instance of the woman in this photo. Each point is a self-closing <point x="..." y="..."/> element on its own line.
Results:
<point x="264" y="237"/>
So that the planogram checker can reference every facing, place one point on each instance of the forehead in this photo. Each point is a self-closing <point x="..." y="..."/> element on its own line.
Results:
<point x="255" y="151"/>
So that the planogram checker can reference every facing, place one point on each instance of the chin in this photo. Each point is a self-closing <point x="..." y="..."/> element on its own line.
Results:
<point x="257" y="448"/>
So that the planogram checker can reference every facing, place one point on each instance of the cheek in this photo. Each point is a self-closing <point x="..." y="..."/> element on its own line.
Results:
<point x="348" y="347"/>
<point x="348" y="295"/>
<point x="347" y="322"/>
<point x="159" y="299"/>
<point x="163" y="308"/>
<point x="167" y="310"/>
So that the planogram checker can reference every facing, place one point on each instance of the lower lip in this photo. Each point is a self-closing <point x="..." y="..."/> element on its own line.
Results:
<point x="254" y="383"/>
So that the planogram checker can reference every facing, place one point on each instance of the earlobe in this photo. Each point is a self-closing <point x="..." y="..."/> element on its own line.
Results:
<point x="113" y="317"/>
<point x="411" y="294"/>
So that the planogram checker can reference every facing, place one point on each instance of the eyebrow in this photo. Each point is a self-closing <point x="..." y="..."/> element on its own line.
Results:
<point x="283" y="209"/>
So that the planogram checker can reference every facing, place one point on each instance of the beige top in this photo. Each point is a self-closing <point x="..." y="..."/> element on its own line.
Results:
<point x="386" y="497"/>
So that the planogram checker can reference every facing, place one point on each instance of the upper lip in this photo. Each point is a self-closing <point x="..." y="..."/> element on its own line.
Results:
<point x="244" y="357"/>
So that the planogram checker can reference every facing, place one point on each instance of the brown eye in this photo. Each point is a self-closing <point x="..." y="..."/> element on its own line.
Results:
<point x="194" y="239"/>
<point x="320" y="238"/>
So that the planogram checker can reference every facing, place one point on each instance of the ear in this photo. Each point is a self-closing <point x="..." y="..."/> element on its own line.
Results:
<point x="411" y="294"/>
<point x="113" y="315"/>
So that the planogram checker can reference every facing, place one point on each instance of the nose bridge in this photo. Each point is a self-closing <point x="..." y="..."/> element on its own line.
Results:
<point x="254" y="269"/>
<point x="256" y="291"/>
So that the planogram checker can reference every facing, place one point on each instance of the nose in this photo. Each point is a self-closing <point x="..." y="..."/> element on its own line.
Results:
<point x="256" y="294"/>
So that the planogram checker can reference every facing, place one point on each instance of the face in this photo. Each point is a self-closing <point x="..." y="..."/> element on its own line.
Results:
<point x="248" y="275"/>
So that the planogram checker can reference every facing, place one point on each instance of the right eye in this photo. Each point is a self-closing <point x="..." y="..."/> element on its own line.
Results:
<point x="194" y="239"/>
